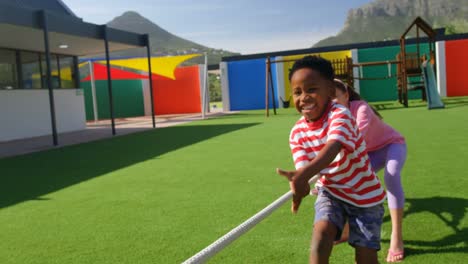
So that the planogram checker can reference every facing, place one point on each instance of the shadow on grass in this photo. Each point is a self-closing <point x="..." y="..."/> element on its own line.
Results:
<point x="31" y="176"/>
<point x="449" y="210"/>
<point x="259" y="114"/>
<point x="449" y="102"/>
<point x="387" y="106"/>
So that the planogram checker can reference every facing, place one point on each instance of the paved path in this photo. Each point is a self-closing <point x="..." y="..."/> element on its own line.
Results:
<point x="96" y="131"/>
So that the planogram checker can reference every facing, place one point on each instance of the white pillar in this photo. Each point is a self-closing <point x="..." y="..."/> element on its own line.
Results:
<point x="280" y="81"/>
<point x="93" y="90"/>
<point x="204" y="90"/>
<point x="355" y="58"/>
<point x="223" y="66"/>
<point x="145" y="87"/>
<point x="441" y="69"/>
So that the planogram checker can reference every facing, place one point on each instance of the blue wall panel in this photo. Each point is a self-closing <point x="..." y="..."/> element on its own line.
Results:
<point x="247" y="84"/>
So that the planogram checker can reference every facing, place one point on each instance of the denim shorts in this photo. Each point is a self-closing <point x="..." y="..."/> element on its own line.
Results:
<point x="364" y="223"/>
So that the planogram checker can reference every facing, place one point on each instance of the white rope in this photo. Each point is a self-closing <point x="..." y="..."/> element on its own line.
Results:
<point x="232" y="235"/>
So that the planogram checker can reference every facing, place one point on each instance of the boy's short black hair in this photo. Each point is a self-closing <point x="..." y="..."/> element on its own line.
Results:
<point x="317" y="63"/>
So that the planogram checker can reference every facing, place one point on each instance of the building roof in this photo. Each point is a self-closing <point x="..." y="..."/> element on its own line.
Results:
<point x="23" y="29"/>
<point x="54" y="6"/>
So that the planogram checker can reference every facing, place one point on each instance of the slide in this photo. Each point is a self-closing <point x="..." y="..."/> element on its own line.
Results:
<point x="433" y="97"/>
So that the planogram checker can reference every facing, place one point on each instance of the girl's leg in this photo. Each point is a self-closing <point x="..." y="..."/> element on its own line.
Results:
<point x="393" y="157"/>
<point x="344" y="235"/>
<point x="396" y="250"/>
<point x="378" y="158"/>
<point x="396" y="157"/>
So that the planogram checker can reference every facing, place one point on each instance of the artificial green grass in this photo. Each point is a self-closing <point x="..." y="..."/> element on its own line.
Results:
<point x="161" y="196"/>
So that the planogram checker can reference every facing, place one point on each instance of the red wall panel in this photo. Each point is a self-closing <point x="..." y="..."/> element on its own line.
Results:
<point x="179" y="96"/>
<point x="456" y="58"/>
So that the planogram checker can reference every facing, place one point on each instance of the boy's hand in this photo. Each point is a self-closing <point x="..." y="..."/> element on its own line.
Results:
<point x="298" y="184"/>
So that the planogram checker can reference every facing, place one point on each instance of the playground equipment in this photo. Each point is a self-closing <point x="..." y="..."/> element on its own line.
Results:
<point x="433" y="97"/>
<point x="409" y="69"/>
<point x="410" y="63"/>
<point x="285" y="102"/>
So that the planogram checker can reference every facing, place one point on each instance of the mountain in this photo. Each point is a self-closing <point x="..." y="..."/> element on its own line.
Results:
<point x="162" y="42"/>
<point x="388" y="19"/>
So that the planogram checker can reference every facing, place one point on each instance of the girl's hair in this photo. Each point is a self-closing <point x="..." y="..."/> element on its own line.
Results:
<point x="353" y="95"/>
<point x="317" y="63"/>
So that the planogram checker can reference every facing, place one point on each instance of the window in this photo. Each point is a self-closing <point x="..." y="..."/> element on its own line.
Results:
<point x="32" y="67"/>
<point x="67" y="78"/>
<point x="8" y="77"/>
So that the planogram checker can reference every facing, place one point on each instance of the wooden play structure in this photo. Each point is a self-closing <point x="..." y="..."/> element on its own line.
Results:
<point x="410" y="63"/>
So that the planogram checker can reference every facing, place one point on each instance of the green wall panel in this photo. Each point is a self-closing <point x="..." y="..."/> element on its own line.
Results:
<point x="127" y="95"/>
<point x="386" y="89"/>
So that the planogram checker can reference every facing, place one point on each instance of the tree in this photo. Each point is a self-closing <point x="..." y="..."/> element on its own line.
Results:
<point x="214" y="87"/>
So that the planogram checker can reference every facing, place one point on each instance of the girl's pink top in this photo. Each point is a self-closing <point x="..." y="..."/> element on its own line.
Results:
<point x="377" y="134"/>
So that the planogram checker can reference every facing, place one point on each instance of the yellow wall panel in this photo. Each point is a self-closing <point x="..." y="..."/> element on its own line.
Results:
<point x="287" y="65"/>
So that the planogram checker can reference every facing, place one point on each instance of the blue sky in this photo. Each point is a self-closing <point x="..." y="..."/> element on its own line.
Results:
<point x="245" y="26"/>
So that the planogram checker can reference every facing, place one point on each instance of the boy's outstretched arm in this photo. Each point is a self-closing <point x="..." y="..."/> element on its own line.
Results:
<point x="299" y="179"/>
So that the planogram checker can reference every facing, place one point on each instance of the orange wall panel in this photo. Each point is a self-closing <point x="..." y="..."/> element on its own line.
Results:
<point x="179" y="96"/>
<point x="456" y="58"/>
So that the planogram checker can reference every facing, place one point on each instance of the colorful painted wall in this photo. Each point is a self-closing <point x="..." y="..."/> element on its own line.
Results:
<point x="288" y="65"/>
<point x="456" y="56"/>
<point x="179" y="96"/>
<point x="386" y="89"/>
<point x="127" y="97"/>
<point x="171" y="96"/>
<point x="247" y="81"/>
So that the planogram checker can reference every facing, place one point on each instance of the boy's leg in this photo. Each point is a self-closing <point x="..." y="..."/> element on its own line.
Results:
<point x="377" y="159"/>
<point x="328" y="223"/>
<point x="322" y="241"/>
<point x="364" y="232"/>
<point x="365" y="255"/>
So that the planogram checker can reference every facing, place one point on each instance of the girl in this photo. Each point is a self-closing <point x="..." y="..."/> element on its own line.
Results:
<point x="386" y="149"/>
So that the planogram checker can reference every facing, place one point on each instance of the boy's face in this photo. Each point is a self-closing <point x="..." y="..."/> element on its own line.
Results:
<point x="311" y="93"/>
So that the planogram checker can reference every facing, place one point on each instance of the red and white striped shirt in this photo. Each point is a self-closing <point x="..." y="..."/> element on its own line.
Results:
<point x="349" y="177"/>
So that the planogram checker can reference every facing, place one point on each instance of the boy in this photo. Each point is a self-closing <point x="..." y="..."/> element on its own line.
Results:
<point x="326" y="140"/>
